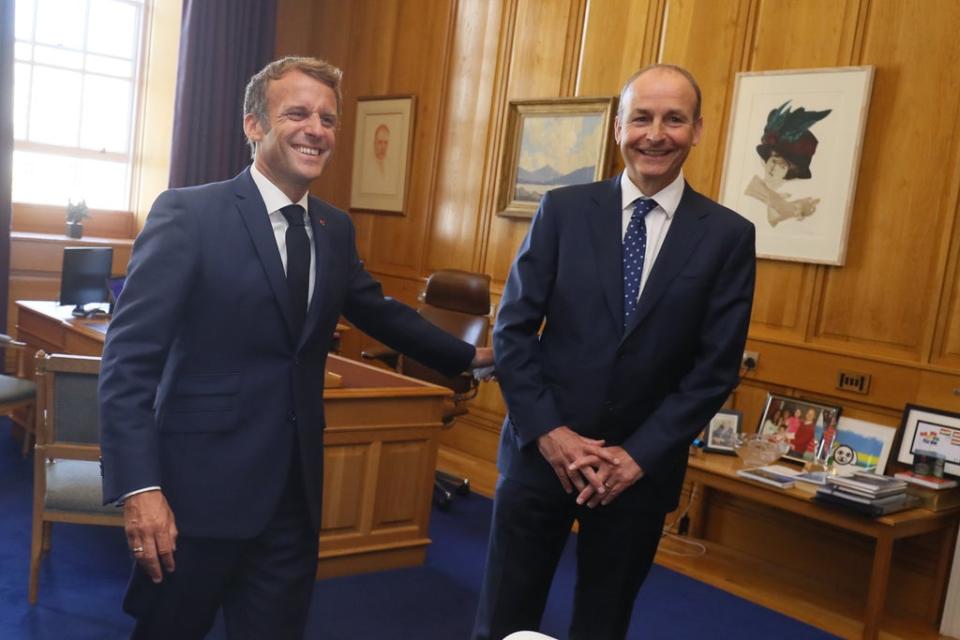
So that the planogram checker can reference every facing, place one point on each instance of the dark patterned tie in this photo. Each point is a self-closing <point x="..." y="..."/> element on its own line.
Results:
<point x="634" y="248"/>
<point x="298" y="264"/>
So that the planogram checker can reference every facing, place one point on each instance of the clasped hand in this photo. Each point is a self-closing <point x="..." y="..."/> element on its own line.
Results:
<point x="151" y="532"/>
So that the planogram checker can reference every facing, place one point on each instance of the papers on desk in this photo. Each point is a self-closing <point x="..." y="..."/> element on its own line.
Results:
<point x="775" y="475"/>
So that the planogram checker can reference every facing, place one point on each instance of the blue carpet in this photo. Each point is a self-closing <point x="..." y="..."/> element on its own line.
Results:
<point x="83" y="579"/>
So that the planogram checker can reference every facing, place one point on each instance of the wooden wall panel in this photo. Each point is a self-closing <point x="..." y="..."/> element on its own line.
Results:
<point x="468" y="139"/>
<point x="884" y="300"/>
<point x="539" y="67"/>
<point x="782" y="38"/>
<point x="620" y="37"/>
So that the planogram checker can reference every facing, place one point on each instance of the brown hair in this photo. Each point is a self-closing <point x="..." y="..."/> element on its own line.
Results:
<point x="255" y="96"/>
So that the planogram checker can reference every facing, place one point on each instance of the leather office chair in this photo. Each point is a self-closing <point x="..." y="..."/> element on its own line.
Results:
<point x="18" y="395"/>
<point x="459" y="303"/>
<point x="66" y="468"/>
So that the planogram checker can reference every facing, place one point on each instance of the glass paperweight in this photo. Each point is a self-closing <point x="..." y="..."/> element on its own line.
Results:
<point x="757" y="450"/>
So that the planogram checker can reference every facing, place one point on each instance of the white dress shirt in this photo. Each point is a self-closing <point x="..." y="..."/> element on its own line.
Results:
<point x="276" y="200"/>
<point x="657" y="221"/>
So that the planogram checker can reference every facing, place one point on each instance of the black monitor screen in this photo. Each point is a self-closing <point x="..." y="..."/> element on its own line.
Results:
<point x="84" y="276"/>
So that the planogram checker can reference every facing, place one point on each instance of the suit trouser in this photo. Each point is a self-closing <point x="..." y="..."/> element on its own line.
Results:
<point x="263" y="584"/>
<point x="615" y="549"/>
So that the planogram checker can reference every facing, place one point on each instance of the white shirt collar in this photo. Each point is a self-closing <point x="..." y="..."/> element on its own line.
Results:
<point x="667" y="198"/>
<point x="273" y="197"/>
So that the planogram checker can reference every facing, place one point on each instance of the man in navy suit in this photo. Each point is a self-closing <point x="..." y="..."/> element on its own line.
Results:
<point x="211" y="390"/>
<point x="646" y="287"/>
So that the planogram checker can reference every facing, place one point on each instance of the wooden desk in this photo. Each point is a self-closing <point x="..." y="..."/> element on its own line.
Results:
<point x="717" y="473"/>
<point x="381" y="449"/>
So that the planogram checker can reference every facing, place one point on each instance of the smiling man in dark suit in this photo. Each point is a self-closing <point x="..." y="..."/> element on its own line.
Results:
<point x="211" y="391"/>
<point x="646" y="288"/>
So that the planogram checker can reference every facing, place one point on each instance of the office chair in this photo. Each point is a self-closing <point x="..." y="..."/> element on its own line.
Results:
<point x="18" y="395"/>
<point x="66" y="468"/>
<point x="459" y="303"/>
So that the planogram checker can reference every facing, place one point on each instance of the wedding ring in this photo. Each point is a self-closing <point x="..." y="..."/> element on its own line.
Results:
<point x="137" y="549"/>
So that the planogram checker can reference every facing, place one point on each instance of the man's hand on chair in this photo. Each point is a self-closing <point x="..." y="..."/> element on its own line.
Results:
<point x="482" y="363"/>
<point x="151" y="532"/>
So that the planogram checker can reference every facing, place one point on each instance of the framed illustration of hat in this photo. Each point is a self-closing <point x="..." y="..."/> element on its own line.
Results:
<point x="792" y="157"/>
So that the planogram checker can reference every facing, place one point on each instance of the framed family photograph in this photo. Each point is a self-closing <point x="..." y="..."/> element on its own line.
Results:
<point x="802" y="423"/>
<point x="552" y="143"/>
<point x="792" y="158"/>
<point x="721" y="434"/>
<point x="932" y="433"/>
<point x="381" y="153"/>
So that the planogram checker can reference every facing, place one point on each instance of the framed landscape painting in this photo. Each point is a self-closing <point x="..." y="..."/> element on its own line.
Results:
<point x="552" y="143"/>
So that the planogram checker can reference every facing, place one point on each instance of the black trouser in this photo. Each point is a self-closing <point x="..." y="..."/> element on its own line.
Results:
<point x="263" y="584"/>
<point x="615" y="549"/>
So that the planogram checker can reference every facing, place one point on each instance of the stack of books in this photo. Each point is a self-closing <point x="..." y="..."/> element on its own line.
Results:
<point x="935" y="494"/>
<point x="867" y="493"/>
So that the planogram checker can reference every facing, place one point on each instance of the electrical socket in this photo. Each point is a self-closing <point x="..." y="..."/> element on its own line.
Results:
<point x="750" y="360"/>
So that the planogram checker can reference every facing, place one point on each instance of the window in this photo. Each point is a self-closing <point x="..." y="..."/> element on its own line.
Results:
<point x="75" y="94"/>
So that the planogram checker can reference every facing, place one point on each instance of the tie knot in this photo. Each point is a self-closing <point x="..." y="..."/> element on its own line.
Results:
<point x="294" y="215"/>
<point x="643" y="206"/>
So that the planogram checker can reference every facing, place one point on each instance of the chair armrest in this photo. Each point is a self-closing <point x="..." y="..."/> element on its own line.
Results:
<point x="385" y="355"/>
<point x="8" y="341"/>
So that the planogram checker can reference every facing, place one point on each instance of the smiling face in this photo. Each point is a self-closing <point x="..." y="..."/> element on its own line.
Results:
<point x="656" y="128"/>
<point x="299" y="136"/>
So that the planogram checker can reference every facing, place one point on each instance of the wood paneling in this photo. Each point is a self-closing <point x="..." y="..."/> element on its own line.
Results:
<point x="885" y="298"/>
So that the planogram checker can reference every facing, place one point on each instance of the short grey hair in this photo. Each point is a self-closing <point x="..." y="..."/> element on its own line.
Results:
<point x="255" y="96"/>
<point x="666" y="67"/>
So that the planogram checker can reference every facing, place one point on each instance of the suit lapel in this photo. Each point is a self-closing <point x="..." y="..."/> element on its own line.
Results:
<point x="605" y="230"/>
<point x="254" y="215"/>
<point x="321" y="268"/>
<point x="684" y="235"/>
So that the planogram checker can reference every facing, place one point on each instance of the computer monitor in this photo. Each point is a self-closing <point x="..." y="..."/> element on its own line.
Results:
<point x="84" y="276"/>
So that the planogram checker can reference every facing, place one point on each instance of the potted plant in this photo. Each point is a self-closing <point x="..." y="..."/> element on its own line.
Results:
<point x="75" y="214"/>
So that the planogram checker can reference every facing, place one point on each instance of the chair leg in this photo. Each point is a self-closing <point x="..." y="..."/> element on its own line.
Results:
<point x="40" y="528"/>
<point x="29" y="432"/>
<point x="47" y="537"/>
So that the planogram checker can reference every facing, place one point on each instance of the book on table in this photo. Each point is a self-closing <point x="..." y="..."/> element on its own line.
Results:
<point x="869" y="484"/>
<point x="773" y="475"/>
<point x="833" y="495"/>
<point x="931" y="482"/>
<point x="936" y="499"/>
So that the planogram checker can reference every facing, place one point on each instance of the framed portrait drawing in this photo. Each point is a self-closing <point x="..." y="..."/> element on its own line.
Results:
<point x="381" y="153"/>
<point x="862" y="445"/>
<point x="931" y="432"/>
<point x="802" y="423"/>
<point x="552" y="143"/>
<point x="792" y="157"/>
<point x="721" y="434"/>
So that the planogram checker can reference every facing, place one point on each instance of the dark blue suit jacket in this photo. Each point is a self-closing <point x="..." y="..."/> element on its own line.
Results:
<point x="203" y="384"/>
<point x="650" y="388"/>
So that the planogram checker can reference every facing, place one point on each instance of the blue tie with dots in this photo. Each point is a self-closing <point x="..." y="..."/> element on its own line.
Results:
<point x="634" y="248"/>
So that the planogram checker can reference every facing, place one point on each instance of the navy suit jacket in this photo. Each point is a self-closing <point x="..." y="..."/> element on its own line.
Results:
<point x="203" y="383"/>
<point x="650" y="387"/>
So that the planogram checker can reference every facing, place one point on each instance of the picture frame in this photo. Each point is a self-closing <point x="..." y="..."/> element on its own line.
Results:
<point x="801" y="422"/>
<point x="792" y="157"/>
<point x="382" y="152"/>
<point x="552" y="143"/>
<point x="928" y="430"/>
<point x="862" y="445"/>
<point x="720" y="435"/>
